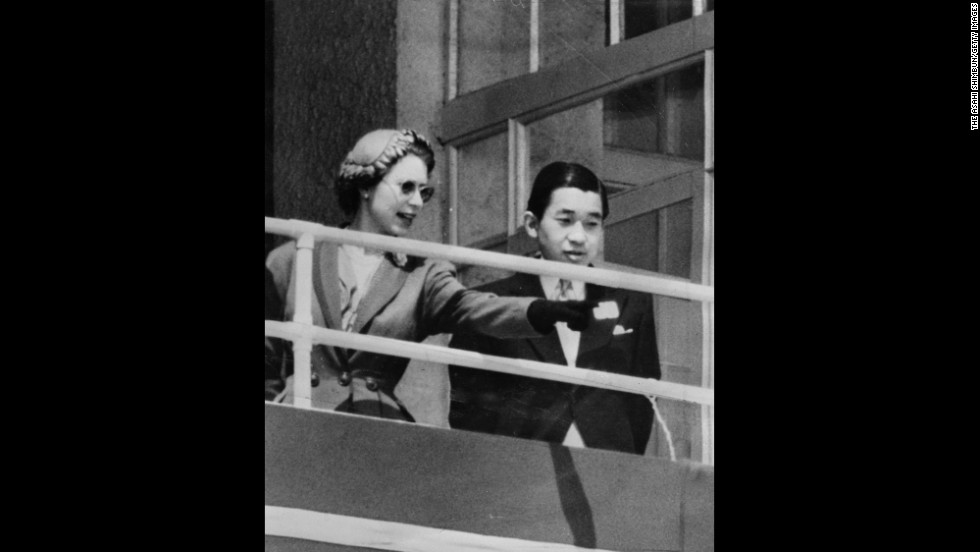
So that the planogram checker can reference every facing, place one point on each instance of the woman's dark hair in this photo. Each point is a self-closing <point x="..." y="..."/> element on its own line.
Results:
<point x="371" y="159"/>
<point x="561" y="174"/>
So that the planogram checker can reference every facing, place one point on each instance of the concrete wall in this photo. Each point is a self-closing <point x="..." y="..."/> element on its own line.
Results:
<point x="422" y="58"/>
<point x="335" y="79"/>
<point x="377" y="469"/>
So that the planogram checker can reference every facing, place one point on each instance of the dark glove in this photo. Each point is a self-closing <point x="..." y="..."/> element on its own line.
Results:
<point x="543" y="314"/>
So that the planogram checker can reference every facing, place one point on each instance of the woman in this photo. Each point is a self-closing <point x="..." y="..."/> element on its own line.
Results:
<point x="383" y="185"/>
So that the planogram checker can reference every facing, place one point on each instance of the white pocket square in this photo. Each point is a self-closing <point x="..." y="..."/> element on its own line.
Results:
<point x="606" y="310"/>
<point x="619" y="330"/>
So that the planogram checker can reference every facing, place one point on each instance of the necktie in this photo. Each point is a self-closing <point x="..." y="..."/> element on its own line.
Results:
<point x="569" y="344"/>
<point x="349" y="301"/>
<point x="569" y="339"/>
<point x="350" y="294"/>
<point x="565" y="292"/>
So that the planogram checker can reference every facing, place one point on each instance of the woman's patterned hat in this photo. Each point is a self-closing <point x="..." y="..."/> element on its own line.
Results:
<point x="377" y="151"/>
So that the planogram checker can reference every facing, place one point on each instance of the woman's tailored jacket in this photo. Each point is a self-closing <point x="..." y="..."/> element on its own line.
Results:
<point x="409" y="298"/>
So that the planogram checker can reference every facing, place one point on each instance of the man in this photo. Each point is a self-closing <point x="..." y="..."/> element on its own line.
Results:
<point x="565" y="216"/>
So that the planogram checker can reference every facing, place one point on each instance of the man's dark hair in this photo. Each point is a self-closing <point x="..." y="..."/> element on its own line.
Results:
<point x="561" y="174"/>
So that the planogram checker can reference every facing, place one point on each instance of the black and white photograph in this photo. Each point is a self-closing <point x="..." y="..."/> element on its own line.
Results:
<point x="489" y="268"/>
<point x="491" y="248"/>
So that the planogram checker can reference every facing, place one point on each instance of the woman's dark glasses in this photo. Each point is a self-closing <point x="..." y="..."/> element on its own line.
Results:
<point x="409" y="187"/>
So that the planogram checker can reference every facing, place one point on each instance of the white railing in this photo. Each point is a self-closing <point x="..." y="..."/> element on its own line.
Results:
<point x="465" y="255"/>
<point x="304" y="334"/>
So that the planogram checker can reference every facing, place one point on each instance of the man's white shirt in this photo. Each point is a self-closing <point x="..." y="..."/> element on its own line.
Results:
<point x="569" y="338"/>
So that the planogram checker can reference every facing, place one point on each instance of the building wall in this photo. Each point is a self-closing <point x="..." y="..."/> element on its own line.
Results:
<point x="422" y="30"/>
<point x="335" y="69"/>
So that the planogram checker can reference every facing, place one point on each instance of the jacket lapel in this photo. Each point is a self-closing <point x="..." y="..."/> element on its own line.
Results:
<point x="327" y="292"/>
<point x="599" y="332"/>
<point x="385" y="284"/>
<point x="326" y="288"/>
<point x="547" y="347"/>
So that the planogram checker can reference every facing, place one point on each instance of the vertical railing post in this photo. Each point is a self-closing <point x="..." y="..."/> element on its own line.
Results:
<point x="303" y="314"/>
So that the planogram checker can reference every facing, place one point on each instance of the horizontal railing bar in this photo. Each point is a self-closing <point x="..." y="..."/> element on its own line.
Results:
<point x="530" y="368"/>
<point x="465" y="255"/>
<point x="374" y="534"/>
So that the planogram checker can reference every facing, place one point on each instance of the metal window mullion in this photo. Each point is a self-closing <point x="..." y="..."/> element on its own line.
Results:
<point x="452" y="167"/>
<point x="709" y="110"/>
<point x="533" y="52"/>
<point x="452" y="153"/>
<point x="708" y="256"/>
<point x="521" y="186"/>
<point x="517" y="160"/>
<point x="452" y="63"/>
<point x="615" y="21"/>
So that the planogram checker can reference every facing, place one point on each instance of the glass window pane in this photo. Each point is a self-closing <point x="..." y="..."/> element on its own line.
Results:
<point x="683" y="420"/>
<point x="574" y="135"/>
<point x="643" y="16"/>
<point x="494" y="42"/>
<point x="483" y="190"/>
<point x="566" y="29"/>
<point x="634" y="242"/>
<point x="679" y="345"/>
<point x="658" y="240"/>
<point x="663" y="116"/>
<point x="636" y="136"/>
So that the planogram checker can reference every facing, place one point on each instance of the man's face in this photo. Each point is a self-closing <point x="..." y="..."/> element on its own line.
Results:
<point x="570" y="230"/>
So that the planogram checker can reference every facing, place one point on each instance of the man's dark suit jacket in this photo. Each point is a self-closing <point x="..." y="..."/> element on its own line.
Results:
<point x="532" y="408"/>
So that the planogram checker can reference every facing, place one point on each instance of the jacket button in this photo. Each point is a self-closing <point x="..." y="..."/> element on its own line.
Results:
<point x="314" y="379"/>
<point x="344" y="378"/>
<point x="371" y="383"/>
